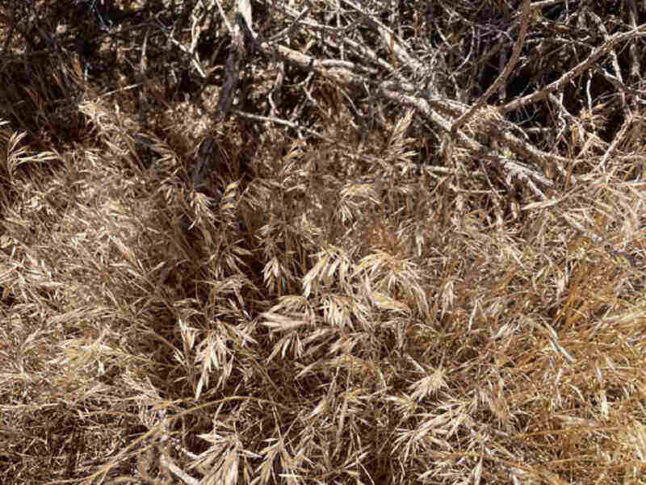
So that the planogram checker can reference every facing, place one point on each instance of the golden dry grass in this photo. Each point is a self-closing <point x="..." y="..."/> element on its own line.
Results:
<point x="325" y="311"/>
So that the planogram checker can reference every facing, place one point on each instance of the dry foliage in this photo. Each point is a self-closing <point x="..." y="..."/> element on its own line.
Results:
<point x="305" y="243"/>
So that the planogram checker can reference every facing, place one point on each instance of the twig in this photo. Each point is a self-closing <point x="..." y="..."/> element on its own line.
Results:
<point x="244" y="9"/>
<point x="224" y="17"/>
<point x="600" y="51"/>
<point x="566" y="117"/>
<point x="183" y="48"/>
<point x="422" y="106"/>
<point x="546" y="3"/>
<point x="518" y="170"/>
<point x="114" y="91"/>
<point x="635" y="65"/>
<point x="280" y="121"/>
<point x="616" y="141"/>
<point x="290" y="28"/>
<point x="333" y="68"/>
<point x="502" y="78"/>
<point x="390" y="40"/>
<point x="242" y="34"/>
<point x="524" y="149"/>
<point x="617" y="80"/>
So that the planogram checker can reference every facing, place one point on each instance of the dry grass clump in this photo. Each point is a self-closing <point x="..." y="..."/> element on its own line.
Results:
<point x="217" y="300"/>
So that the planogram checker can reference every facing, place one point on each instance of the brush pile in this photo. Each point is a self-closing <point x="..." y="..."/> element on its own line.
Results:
<point x="322" y="241"/>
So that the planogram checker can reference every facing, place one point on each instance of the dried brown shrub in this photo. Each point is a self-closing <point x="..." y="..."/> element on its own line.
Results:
<point x="315" y="287"/>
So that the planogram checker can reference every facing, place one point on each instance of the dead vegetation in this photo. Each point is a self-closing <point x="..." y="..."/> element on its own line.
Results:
<point x="332" y="241"/>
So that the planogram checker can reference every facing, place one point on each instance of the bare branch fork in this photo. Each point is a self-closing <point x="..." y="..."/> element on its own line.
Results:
<point x="580" y="68"/>
<point x="402" y="91"/>
<point x="502" y="78"/>
<point x="339" y="71"/>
